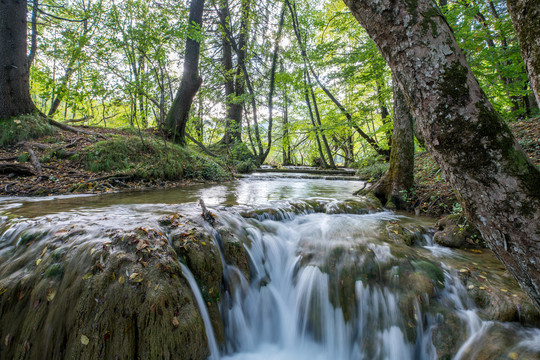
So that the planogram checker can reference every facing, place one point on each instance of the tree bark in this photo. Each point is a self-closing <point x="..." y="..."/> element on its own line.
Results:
<point x="191" y="81"/>
<point x="14" y="62"/>
<point x="497" y="185"/>
<point x="400" y="174"/>
<point x="526" y="20"/>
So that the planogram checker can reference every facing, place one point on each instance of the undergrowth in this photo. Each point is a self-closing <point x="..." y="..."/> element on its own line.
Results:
<point x="151" y="158"/>
<point x="23" y="128"/>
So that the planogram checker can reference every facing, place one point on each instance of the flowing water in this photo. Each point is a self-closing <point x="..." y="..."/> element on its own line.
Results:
<point x="325" y="280"/>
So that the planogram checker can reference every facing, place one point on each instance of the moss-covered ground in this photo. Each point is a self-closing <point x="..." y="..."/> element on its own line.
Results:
<point x="98" y="160"/>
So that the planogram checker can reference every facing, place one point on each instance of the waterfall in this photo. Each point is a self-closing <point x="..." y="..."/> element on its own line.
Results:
<point x="212" y="343"/>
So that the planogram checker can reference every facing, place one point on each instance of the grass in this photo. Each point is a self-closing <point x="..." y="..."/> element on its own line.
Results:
<point x="151" y="158"/>
<point x="23" y="128"/>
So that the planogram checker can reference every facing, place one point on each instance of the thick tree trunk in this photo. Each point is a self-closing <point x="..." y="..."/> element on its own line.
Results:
<point x="496" y="182"/>
<point x="191" y="81"/>
<point x="526" y="19"/>
<point x="400" y="174"/>
<point x="14" y="62"/>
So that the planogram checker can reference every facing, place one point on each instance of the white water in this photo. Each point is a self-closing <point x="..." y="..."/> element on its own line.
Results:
<point x="212" y="343"/>
<point x="285" y="312"/>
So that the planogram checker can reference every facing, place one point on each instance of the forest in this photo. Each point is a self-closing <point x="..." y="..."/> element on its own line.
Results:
<point x="434" y="105"/>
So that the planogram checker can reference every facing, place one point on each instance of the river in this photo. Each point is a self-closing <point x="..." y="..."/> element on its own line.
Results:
<point x="326" y="280"/>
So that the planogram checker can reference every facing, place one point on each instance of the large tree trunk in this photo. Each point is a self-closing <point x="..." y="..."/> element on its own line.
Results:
<point x="191" y="81"/>
<point x="526" y="19"/>
<point x="400" y="174"/>
<point x="14" y="62"/>
<point x="496" y="182"/>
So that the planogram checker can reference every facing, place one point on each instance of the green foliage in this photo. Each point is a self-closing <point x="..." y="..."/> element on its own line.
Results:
<point x="23" y="128"/>
<point x="371" y="168"/>
<point x="151" y="158"/>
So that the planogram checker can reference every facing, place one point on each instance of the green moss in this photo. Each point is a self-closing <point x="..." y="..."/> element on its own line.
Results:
<point x="431" y="270"/>
<point x="55" y="270"/>
<point x="429" y="22"/>
<point x="23" y="128"/>
<point x="150" y="159"/>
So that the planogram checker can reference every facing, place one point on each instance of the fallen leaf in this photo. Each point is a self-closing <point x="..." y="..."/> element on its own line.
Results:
<point x="203" y="243"/>
<point x="85" y="340"/>
<point x="470" y="287"/>
<point x="121" y="279"/>
<point x="504" y="290"/>
<point x="513" y="356"/>
<point x="38" y="261"/>
<point x="2" y="291"/>
<point x="133" y="276"/>
<point x="175" y="322"/>
<point x="87" y="276"/>
<point x="51" y="294"/>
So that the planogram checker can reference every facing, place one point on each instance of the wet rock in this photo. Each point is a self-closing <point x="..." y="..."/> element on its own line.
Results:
<point x="405" y="234"/>
<point x="454" y="231"/>
<point x="234" y="251"/>
<point x="116" y="296"/>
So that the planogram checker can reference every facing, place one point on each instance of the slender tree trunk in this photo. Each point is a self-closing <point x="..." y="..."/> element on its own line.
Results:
<point x="273" y="84"/>
<point x="497" y="185"/>
<point x="233" y="89"/>
<point x="14" y="62"/>
<point x="191" y="81"/>
<point x="400" y="174"/>
<point x="312" y="118"/>
<point x="526" y="20"/>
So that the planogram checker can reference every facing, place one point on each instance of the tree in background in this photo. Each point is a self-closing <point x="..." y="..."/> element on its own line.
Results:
<point x="14" y="60"/>
<point x="526" y="19"/>
<point x="191" y="81"/>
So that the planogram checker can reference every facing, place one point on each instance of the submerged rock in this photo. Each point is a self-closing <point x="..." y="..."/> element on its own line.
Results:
<point x="454" y="231"/>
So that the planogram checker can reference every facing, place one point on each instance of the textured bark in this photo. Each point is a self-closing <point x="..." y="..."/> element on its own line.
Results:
<point x="14" y="63"/>
<point x="526" y="20"/>
<point x="400" y="174"/>
<point x="233" y="89"/>
<point x="191" y="81"/>
<point x="496" y="183"/>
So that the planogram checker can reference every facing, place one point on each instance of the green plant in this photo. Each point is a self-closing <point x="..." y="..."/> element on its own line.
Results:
<point x="23" y="128"/>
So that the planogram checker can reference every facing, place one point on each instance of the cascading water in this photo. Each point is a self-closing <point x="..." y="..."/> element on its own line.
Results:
<point x="327" y="280"/>
<point x="327" y="287"/>
<point x="212" y="343"/>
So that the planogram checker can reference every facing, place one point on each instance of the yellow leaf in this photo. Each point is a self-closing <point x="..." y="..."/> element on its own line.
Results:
<point x="51" y="294"/>
<point x="396" y="232"/>
<point x="85" y="340"/>
<point x="113" y="276"/>
<point x="482" y="288"/>
<point x="2" y="291"/>
<point x="513" y="356"/>
<point x="87" y="276"/>
<point x="93" y="251"/>
<point x="38" y="262"/>
<point x="121" y="279"/>
<point x="203" y="243"/>
<point x="133" y="276"/>
<point x="504" y="290"/>
<point x="470" y="287"/>
<point x="157" y="287"/>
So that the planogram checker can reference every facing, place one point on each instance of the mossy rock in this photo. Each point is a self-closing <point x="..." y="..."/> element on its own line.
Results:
<point x="121" y="296"/>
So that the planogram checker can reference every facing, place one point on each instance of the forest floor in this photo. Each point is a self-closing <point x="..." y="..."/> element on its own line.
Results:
<point x="100" y="160"/>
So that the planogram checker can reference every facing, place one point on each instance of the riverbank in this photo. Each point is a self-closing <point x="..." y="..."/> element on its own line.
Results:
<point x="98" y="160"/>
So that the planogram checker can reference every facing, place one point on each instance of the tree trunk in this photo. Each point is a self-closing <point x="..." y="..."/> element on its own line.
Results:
<point x="526" y="20"/>
<point x="496" y="183"/>
<point x="233" y="90"/>
<point x="400" y="174"/>
<point x="191" y="81"/>
<point x="308" y="103"/>
<point x="14" y="62"/>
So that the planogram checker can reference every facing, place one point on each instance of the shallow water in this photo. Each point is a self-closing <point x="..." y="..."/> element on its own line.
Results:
<point x="322" y="285"/>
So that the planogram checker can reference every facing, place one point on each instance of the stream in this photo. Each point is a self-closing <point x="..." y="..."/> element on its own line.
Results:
<point x="326" y="280"/>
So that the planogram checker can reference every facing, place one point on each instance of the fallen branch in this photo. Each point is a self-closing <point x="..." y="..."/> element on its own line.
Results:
<point x="83" y="119"/>
<point x="72" y="129"/>
<point x="35" y="161"/>
<point x="204" y="148"/>
<point x="207" y="215"/>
